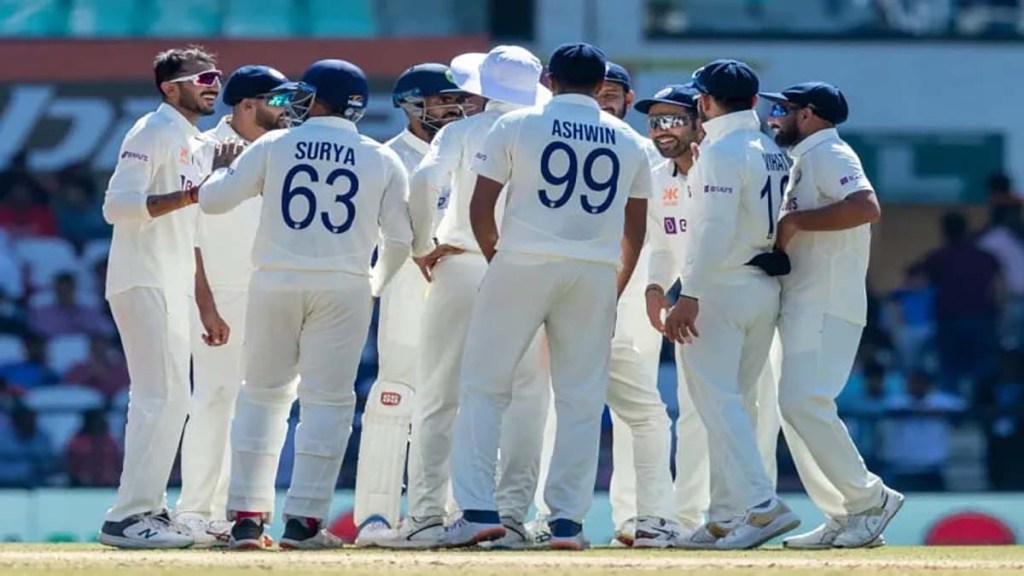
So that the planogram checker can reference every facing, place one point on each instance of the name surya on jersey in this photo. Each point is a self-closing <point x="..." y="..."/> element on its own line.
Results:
<point x="326" y="151"/>
<point x="585" y="132"/>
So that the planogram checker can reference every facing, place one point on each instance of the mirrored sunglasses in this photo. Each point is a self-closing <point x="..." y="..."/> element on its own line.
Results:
<point x="204" y="78"/>
<point x="667" y="121"/>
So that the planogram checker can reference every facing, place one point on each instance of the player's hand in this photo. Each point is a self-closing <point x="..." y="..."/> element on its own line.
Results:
<point x="681" y="322"/>
<point x="226" y="153"/>
<point x="217" y="330"/>
<point x="656" y="303"/>
<point x="787" y="229"/>
<point x="427" y="263"/>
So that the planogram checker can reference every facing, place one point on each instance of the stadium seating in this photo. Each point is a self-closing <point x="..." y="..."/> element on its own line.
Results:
<point x="720" y="15"/>
<point x="45" y="258"/>
<point x="183" y="18"/>
<point x="60" y="409"/>
<point x="117" y="416"/>
<point x="105" y="18"/>
<point x="12" y="349"/>
<point x="273" y="18"/>
<point x="345" y="18"/>
<point x="32" y="18"/>
<point x="63" y="352"/>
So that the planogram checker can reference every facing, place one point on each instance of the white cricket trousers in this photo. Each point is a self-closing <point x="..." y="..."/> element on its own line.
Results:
<point x="575" y="302"/>
<point x="443" y="342"/>
<point x="388" y="414"/>
<point x="693" y="475"/>
<point x="316" y="334"/>
<point x="736" y="323"/>
<point x="818" y="351"/>
<point x="154" y="328"/>
<point x="216" y="378"/>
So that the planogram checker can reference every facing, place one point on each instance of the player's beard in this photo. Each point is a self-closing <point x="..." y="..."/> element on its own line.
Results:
<point x="194" y="102"/>
<point x="786" y="136"/>
<point x="618" y="112"/>
<point x="432" y="125"/>
<point x="268" y="120"/>
<point x="672" y="149"/>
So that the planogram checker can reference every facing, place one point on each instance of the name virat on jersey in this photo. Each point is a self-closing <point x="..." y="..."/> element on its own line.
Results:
<point x="584" y="132"/>
<point x="325" y="151"/>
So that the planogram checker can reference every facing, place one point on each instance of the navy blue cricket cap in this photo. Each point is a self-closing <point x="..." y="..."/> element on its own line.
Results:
<point x="826" y="100"/>
<point x="250" y="82"/>
<point x="676" y="94"/>
<point x="423" y="80"/>
<point x="726" y="79"/>
<point x="578" y="64"/>
<point x="339" y="83"/>
<point x="615" y="73"/>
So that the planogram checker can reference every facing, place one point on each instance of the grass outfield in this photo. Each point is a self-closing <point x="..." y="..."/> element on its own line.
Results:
<point x="89" y="559"/>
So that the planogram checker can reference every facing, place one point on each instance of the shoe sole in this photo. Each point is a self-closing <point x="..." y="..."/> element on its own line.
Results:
<point x="876" y="543"/>
<point x="133" y="544"/>
<point x="777" y="527"/>
<point x="485" y="535"/>
<point x="625" y="541"/>
<point x="566" y="545"/>
<point x="247" y="545"/>
<point x="650" y="543"/>
<point x="885" y="524"/>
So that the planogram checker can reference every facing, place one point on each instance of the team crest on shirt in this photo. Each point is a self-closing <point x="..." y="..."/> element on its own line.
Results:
<point x="670" y="196"/>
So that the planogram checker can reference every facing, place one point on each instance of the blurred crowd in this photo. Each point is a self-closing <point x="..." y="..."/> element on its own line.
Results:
<point x="942" y="354"/>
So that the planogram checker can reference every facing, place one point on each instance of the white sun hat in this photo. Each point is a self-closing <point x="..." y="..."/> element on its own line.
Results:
<point x="507" y="74"/>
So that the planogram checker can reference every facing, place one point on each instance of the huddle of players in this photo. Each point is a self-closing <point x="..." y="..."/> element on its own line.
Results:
<point x="478" y="336"/>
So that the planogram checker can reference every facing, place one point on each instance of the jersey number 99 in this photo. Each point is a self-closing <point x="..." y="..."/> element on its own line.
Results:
<point x="290" y="192"/>
<point x="568" y="179"/>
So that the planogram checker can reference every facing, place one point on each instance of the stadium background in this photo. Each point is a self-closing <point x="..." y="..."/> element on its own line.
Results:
<point x="933" y="86"/>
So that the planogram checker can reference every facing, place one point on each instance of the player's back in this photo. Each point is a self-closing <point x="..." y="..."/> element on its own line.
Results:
<point x="573" y="167"/>
<point x="323" y="196"/>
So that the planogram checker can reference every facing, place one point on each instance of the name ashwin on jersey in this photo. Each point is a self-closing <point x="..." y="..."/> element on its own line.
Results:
<point x="325" y="151"/>
<point x="585" y="132"/>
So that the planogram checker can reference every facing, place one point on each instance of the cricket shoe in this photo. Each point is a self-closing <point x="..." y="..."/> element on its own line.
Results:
<point x="517" y="537"/>
<point x="862" y="529"/>
<point x="247" y="533"/>
<point x="306" y="534"/>
<point x="654" y="532"/>
<point x="761" y="524"/>
<point x="200" y="529"/>
<point x="539" y="532"/>
<point x="474" y="527"/>
<point x="702" y="537"/>
<point x="567" y="535"/>
<point x="823" y="537"/>
<point x="624" y="535"/>
<point x="373" y="531"/>
<point x="416" y="533"/>
<point x="145" y="531"/>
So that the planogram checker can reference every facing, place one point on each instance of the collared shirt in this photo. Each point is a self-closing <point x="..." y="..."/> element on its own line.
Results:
<point x="226" y="240"/>
<point x="569" y="169"/>
<point x="156" y="157"/>
<point x="329" y="193"/>
<point x="411" y="149"/>
<point x="736" y="187"/>
<point x="829" y="268"/>
<point x="667" y="224"/>
<point x="446" y="167"/>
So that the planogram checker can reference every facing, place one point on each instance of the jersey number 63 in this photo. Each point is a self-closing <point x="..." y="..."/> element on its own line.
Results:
<point x="290" y="192"/>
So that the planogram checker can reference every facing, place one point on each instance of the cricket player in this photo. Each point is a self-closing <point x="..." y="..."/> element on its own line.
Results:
<point x="825" y="229"/>
<point x="509" y="78"/>
<point x="729" y="301"/>
<point x="641" y="423"/>
<point x="150" y="287"/>
<point x="223" y="257"/>
<point x="329" y="192"/>
<point x="430" y="100"/>
<point x="673" y="126"/>
<point x="577" y="181"/>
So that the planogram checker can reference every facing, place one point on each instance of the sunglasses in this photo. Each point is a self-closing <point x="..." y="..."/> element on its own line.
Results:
<point x="204" y="78"/>
<point x="668" y="121"/>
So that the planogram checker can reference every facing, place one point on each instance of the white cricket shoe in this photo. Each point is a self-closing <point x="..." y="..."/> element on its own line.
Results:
<point x="517" y="537"/>
<point x="567" y="535"/>
<point x="653" y="532"/>
<point x="823" y="537"/>
<point x="539" y="532"/>
<point x="416" y="533"/>
<point x="306" y="534"/>
<point x="862" y="529"/>
<point x="200" y="530"/>
<point x="761" y="524"/>
<point x="374" y="531"/>
<point x="702" y="537"/>
<point x="462" y="533"/>
<point x="624" y="535"/>
<point x="145" y="531"/>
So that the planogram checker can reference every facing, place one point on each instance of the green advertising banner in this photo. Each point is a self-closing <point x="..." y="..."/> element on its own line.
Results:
<point x="929" y="168"/>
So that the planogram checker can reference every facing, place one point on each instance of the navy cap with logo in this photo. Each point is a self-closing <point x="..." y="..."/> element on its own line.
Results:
<point x="339" y="83"/>
<point x="615" y="73"/>
<point x="824" y="99"/>
<point x="578" y="64"/>
<point x="676" y="94"/>
<point x="250" y="82"/>
<point x="423" y="80"/>
<point x="726" y="79"/>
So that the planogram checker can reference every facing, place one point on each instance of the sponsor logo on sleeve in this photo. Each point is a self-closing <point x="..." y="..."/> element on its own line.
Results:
<point x="129" y="155"/>
<point x="850" y="178"/>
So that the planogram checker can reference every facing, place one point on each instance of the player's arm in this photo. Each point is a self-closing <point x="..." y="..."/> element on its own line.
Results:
<point x="635" y="229"/>
<point x="493" y="166"/>
<point x="396" y="232"/>
<point x="229" y="187"/>
<point x="126" y="199"/>
<point x="217" y="330"/>
<point x="662" y="270"/>
<point x="426" y="183"/>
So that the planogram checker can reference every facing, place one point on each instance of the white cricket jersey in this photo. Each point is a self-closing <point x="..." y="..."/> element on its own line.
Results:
<point x="736" y="188"/>
<point x="411" y="149"/>
<point x="226" y="240"/>
<point x="328" y="192"/>
<point x="156" y="157"/>
<point x="447" y="167"/>
<point x="569" y="169"/>
<point x="667" y="224"/>
<point x="829" y="268"/>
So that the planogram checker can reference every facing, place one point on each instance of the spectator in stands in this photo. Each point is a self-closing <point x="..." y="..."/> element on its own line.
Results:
<point x="1003" y="240"/>
<point x="32" y="372"/>
<point x="79" y="215"/>
<point x="66" y="315"/>
<point x="104" y="371"/>
<point x="1004" y="426"/>
<point x="861" y="404"/>
<point x="26" y="456"/>
<point x="1000" y="192"/>
<point x="912" y="322"/>
<point x="12" y="289"/>
<point x="915" y="436"/>
<point x="93" y="457"/>
<point x="22" y="216"/>
<point x="967" y="308"/>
